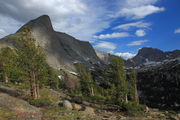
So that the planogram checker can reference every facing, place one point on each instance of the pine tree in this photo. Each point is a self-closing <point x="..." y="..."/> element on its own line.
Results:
<point x="7" y="63"/>
<point x="31" y="60"/>
<point x="119" y="80"/>
<point x="133" y="83"/>
<point x="86" y="81"/>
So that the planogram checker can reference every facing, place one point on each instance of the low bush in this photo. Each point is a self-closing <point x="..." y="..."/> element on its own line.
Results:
<point x="42" y="102"/>
<point x="134" y="109"/>
<point x="96" y="98"/>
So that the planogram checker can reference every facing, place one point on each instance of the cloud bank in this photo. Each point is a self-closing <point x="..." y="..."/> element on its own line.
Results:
<point x="125" y="55"/>
<point x="112" y="35"/>
<point x="105" y="46"/>
<point x="137" y="43"/>
<point x="177" y="31"/>
<point x="140" y="33"/>
<point x="139" y="24"/>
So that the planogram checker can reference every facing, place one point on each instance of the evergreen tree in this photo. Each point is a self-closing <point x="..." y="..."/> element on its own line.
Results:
<point x="133" y="83"/>
<point x="86" y="81"/>
<point x="7" y="64"/>
<point x="31" y="60"/>
<point x="53" y="81"/>
<point x="119" y="82"/>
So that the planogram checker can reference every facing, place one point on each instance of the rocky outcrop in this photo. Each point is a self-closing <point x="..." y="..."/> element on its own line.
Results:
<point x="146" y="55"/>
<point x="62" y="50"/>
<point x="22" y="109"/>
<point x="105" y="57"/>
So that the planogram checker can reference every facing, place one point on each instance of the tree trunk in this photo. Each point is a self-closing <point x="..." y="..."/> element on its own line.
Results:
<point x="136" y="95"/>
<point x="5" y="77"/>
<point x="126" y="98"/>
<point x="92" y="91"/>
<point x="37" y="89"/>
<point x="34" y="90"/>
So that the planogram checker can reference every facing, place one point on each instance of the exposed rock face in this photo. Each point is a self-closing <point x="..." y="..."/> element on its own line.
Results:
<point x="159" y="85"/>
<point x="105" y="57"/>
<point x="62" y="50"/>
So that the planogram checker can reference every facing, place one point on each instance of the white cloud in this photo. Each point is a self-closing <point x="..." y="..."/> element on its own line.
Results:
<point x="139" y="24"/>
<point x="139" y="12"/>
<point x="177" y="31"/>
<point x="136" y="43"/>
<point x="140" y="33"/>
<point x="137" y="9"/>
<point x="105" y="46"/>
<point x="125" y="55"/>
<point x="113" y="35"/>
<point x="79" y="18"/>
<point x="135" y="3"/>
<point x="3" y="33"/>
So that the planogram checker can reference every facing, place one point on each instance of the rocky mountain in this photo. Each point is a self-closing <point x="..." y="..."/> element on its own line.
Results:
<point x="105" y="57"/>
<point x="147" y="55"/>
<point x="158" y="77"/>
<point x="62" y="50"/>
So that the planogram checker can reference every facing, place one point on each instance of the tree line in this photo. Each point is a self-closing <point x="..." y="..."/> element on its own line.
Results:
<point x="119" y="87"/>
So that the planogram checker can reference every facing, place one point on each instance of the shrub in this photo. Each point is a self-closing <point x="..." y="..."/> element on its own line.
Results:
<point x="42" y="102"/>
<point x="133" y="108"/>
<point x="96" y="98"/>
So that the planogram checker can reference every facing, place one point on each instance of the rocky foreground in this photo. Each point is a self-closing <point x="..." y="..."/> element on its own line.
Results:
<point x="15" y="106"/>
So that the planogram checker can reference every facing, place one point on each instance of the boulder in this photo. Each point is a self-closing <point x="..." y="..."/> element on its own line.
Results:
<point x="77" y="107"/>
<point x="67" y="105"/>
<point x="89" y="110"/>
<point x="22" y="109"/>
<point x="173" y="118"/>
<point x="77" y="99"/>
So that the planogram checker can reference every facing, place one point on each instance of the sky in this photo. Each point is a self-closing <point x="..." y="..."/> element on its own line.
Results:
<point x="120" y="27"/>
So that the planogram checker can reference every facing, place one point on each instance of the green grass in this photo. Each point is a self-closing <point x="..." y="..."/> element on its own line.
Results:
<point x="60" y="113"/>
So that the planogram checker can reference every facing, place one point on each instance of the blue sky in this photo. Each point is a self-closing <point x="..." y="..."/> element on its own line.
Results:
<point x="120" y="27"/>
<point x="158" y="33"/>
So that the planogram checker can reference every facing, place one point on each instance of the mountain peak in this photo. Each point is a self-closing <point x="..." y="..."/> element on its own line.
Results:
<point x="42" y="22"/>
<point x="148" y="50"/>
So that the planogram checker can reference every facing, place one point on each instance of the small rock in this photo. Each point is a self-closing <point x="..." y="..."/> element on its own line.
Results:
<point x="162" y="115"/>
<point x="178" y="115"/>
<point x="149" y="117"/>
<point x="89" y="110"/>
<point x="173" y="118"/>
<point x="123" y="118"/>
<point x="166" y="112"/>
<point x="77" y="107"/>
<point x="67" y="105"/>
<point x="85" y="103"/>
<point x="146" y="109"/>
